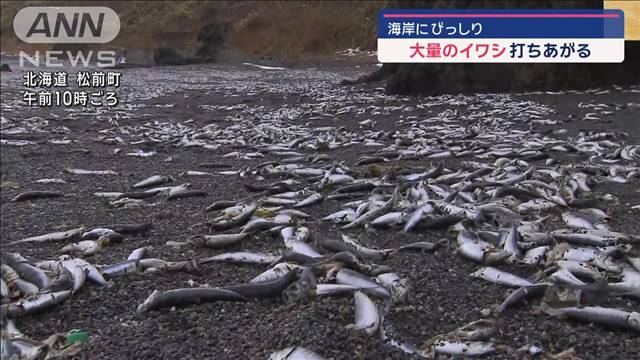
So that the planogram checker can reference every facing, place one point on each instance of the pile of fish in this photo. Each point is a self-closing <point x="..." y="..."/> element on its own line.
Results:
<point x="485" y="184"/>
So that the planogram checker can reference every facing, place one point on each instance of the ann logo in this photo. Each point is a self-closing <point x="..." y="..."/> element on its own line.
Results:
<point x="66" y="24"/>
<point x="42" y="25"/>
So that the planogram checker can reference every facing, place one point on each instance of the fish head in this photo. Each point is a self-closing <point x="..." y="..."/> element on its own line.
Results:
<point x="297" y="291"/>
<point x="400" y="291"/>
<point x="634" y="320"/>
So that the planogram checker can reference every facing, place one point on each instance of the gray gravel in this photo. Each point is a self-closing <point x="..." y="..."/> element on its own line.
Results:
<point x="444" y="296"/>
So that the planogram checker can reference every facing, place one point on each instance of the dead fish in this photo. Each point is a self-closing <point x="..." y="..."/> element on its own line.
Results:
<point x="121" y="268"/>
<point x="388" y="338"/>
<point x="27" y="271"/>
<point x="294" y="213"/>
<point x="482" y="329"/>
<point x="335" y="289"/>
<point x="521" y="194"/>
<point x="188" y="296"/>
<point x="108" y="195"/>
<point x="196" y="173"/>
<point x="365" y="251"/>
<point x="241" y="257"/>
<point x="498" y="276"/>
<point x="372" y="214"/>
<point x="63" y="281"/>
<point x="4" y="290"/>
<point x="511" y="244"/>
<point x="153" y="181"/>
<point x="219" y="241"/>
<point x="338" y="246"/>
<point x="275" y="272"/>
<point x="35" y="304"/>
<point x="55" y="236"/>
<point x="302" y="287"/>
<point x="78" y="274"/>
<point x="182" y="192"/>
<point x="25" y="288"/>
<point x="86" y="247"/>
<point x="215" y="165"/>
<point x="367" y="314"/>
<point x="422" y="245"/>
<point x="459" y="348"/>
<point x="164" y="190"/>
<point x="342" y="216"/>
<point x="295" y="353"/>
<point x="487" y="255"/>
<point x="92" y="273"/>
<point x="31" y="195"/>
<point x="390" y="219"/>
<point x="90" y="172"/>
<point x="309" y="201"/>
<point x="398" y="286"/>
<point x="579" y="268"/>
<point x="239" y="220"/>
<point x="51" y="181"/>
<point x="267" y="289"/>
<point x="634" y="261"/>
<point x="598" y="315"/>
<point x="578" y="221"/>
<point x="134" y="195"/>
<point x="476" y="253"/>
<point x="534" y="256"/>
<point x="440" y="222"/>
<point x="141" y="154"/>
<point x="521" y="294"/>
<point x="219" y="205"/>
<point x="350" y="277"/>
<point x="104" y="233"/>
<point x="351" y="188"/>
<point x="274" y="201"/>
<point x="259" y="224"/>
<point x="587" y="238"/>
<point x="127" y="203"/>
<point x="130" y="229"/>
<point x="151" y="264"/>
<point x="17" y="142"/>
<point x="417" y="216"/>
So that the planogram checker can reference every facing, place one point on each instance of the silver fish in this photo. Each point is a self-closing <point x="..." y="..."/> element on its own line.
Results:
<point x="599" y="315"/>
<point x="35" y="304"/>
<point x="462" y="348"/>
<point x="90" y="172"/>
<point x="350" y="277"/>
<point x="498" y="276"/>
<point x="398" y="286"/>
<point x="153" y="181"/>
<point x="367" y="314"/>
<point x="342" y="216"/>
<point x="277" y="271"/>
<point x="333" y="289"/>
<point x="55" y="236"/>
<point x="309" y="201"/>
<point x="137" y="254"/>
<point x="220" y="241"/>
<point x="241" y="257"/>
<point x="295" y="353"/>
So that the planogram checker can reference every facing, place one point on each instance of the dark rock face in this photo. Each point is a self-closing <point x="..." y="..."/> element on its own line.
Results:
<point x="5" y="67"/>
<point x="169" y="56"/>
<point x="433" y="79"/>
<point x="212" y="40"/>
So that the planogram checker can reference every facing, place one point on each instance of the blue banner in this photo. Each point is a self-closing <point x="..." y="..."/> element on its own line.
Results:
<point x="500" y="24"/>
